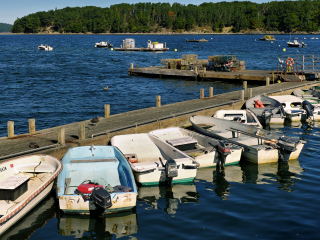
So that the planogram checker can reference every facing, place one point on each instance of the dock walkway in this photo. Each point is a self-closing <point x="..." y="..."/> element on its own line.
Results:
<point x="144" y="120"/>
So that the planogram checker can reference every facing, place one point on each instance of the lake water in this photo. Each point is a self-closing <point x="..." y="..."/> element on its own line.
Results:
<point x="247" y="201"/>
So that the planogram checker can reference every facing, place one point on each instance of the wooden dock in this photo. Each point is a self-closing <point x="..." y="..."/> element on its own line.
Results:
<point x="56" y="141"/>
<point x="203" y="75"/>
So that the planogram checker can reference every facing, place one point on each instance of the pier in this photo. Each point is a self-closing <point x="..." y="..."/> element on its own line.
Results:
<point x="56" y="141"/>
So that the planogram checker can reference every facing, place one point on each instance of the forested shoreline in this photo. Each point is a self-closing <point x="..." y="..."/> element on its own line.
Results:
<point x="236" y="17"/>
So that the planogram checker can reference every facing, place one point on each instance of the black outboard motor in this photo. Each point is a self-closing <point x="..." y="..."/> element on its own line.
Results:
<point x="237" y="119"/>
<point x="286" y="146"/>
<point x="306" y="105"/>
<point x="171" y="169"/>
<point x="101" y="198"/>
<point x="223" y="150"/>
<point x="266" y="117"/>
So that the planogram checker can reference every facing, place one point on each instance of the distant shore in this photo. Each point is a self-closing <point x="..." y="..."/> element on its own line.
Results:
<point x="168" y="33"/>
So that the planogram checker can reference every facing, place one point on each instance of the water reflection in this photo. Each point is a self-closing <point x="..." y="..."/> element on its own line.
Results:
<point x="84" y="227"/>
<point x="180" y="193"/>
<point x="34" y="220"/>
<point x="285" y="174"/>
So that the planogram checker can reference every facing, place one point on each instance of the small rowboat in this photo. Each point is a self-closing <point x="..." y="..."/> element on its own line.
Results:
<point x="24" y="182"/>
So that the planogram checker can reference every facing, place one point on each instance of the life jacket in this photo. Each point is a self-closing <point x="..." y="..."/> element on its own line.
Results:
<point x="258" y="104"/>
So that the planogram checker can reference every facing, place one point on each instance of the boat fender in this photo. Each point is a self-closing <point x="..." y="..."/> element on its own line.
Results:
<point x="290" y="62"/>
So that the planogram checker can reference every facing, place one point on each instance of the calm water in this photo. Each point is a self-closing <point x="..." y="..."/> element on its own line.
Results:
<point x="269" y="201"/>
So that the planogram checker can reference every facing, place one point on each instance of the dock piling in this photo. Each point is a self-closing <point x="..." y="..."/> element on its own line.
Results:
<point x="250" y="93"/>
<point x="210" y="92"/>
<point x="242" y="95"/>
<point x="32" y="126"/>
<point x="158" y="101"/>
<point x="62" y="136"/>
<point x="245" y="85"/>
<point x="131" y="66"/>
<point x="267" y="81"/>
<point x="82" y="132"/>
<point x="201" y="93"/>
<point x="10" y="127"/>
<point x="107" y="110"/>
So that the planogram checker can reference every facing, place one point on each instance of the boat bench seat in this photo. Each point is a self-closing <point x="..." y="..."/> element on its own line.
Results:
<point x="154" y="164"/>
<point x="182" y="141"/>
<point x="224" y="133"/>
<point x="246" y="140"/>
<point x="43" y="167"/>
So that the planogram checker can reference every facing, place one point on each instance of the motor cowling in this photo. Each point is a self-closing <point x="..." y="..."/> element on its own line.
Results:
<point x="266" y="116"/>
<point x="223" y="149"/>
<point x="286" y="146"/>
<point x="171" y="168"/>
<point x="306" y="105"/>
<point x="101" y="198"/>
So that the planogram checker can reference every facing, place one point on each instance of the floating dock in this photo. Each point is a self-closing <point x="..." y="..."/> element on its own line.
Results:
<point x="56" y="141"/>
<point x="222" y="67"/>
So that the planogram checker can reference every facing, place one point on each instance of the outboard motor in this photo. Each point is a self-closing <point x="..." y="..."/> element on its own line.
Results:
<point x="101" y="198"/>
<point x="223" y="150"/>
<point x="266" y="117"/>
<point x="237" y="119"/>
<point x="286" y="146"/>
<point x="171" y="169"/>
<point x="306" y="105"/>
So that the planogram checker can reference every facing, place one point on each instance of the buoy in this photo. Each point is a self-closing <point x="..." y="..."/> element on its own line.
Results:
<point x="95" y="45"/>
<point x="279" y="81"/>
<point x="111" y="49"/>
<point x="175" y="50"/>
<point x="284" y="49"/>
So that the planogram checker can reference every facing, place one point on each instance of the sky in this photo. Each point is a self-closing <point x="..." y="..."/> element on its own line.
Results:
<point x="12" y="9"/>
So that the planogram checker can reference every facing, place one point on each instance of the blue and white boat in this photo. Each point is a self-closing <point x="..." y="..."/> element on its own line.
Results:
<point x="96" y="179"/>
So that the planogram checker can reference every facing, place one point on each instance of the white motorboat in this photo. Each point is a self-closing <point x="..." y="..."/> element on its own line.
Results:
<point x="154" y="161"/>
<point x="207" y="151"/>
<point x="295" y="43"/>
<point x="24" y="182"/>
<point x="96" y="179"/>
<point x="312" y="95"/>
<point x="297" y="109"/>
<point x="268" y="110"/>
<point x="243" y="116"/>
<point x="260" y="145"/>
<point x="45" y="47"/>
<point x="104" y="45"/>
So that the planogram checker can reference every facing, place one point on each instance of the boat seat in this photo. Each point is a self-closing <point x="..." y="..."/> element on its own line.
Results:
<point x="198" y="150"/>
<point x="182" y="141"/>
<point x="43" y="167"/>
<point x="246" y="140"/>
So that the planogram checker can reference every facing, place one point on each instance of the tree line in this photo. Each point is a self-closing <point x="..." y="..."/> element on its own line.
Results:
<point x="5" y="27"/>
<point x="286" y="16"/>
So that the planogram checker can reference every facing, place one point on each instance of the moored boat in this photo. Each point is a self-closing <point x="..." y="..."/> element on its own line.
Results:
<point x="244" y="116"/>
<point x="24" y="182"/>
<point x="297" y="109"/>
<point x="260" y="145"/>
<point x="96" y="179"/>
<point x="104" y="45"/>
<point x="154" y="161"/>
<point x="45" y="47"/>
<point x="207" y="151"/>
<point x="268" y="110"/>
<point x="312" y="95"/>
<point x="268" y="38"/>
<point x="197" y="40"/>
